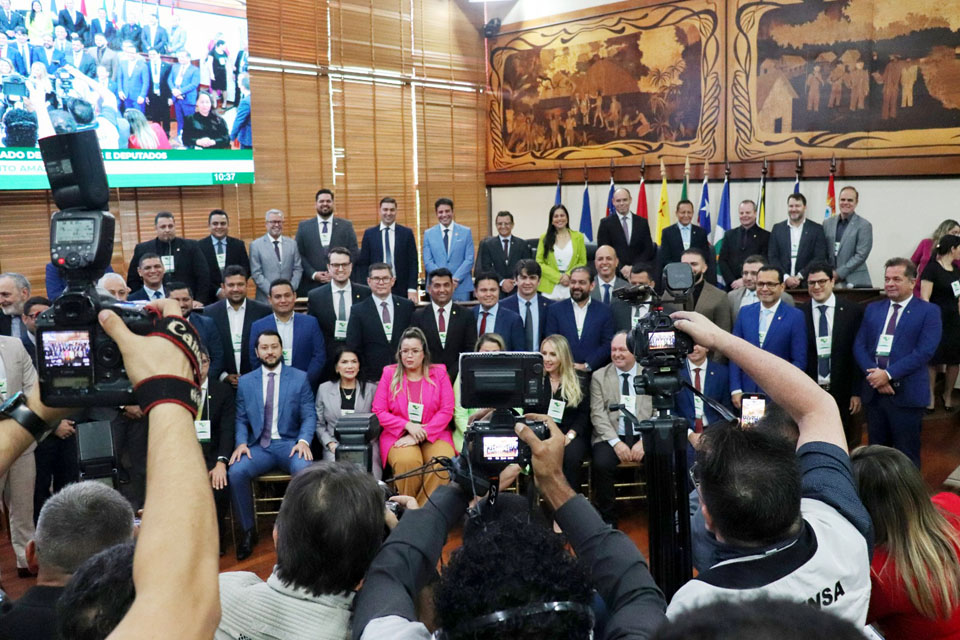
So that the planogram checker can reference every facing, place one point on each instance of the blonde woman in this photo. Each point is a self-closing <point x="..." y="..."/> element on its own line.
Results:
<point x="569" y="406"/>
<point x="143" y="134"/>
<point x="915" y="572"/>
<point x="560" y="251"/>
<point x="414" y="403"/>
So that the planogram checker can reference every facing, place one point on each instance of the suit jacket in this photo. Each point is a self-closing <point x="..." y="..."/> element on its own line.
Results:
<point x="189" y="85"/>
<point x="218" y="313"/>
<point x="737" y="246"/>
<point x="133" y="81"/>
<point x="321" y="306"/>
<point x="133" y="32"/>
<point x="108" y="30"/>
<point x="593" y="345"/>
<point x="391" y="410"/>
<point x="786" y="337"/>
<point x="736" y="299"/>
<point x="845" y="376"/>
<point x="365" y="335"/>
<point x="264" y="267"/>
<point x="106" y="58"/>
<point x="849" y="259"/>
<point x="328" y="407"/>
<point x="141" y="294"/>
<point x="210" y="338"/>
<point x="87" y="66"/>
<point x="597" y="293"/>
<point x="461" y="335"/>
<point x="176" y="40"/>
<point x="671" y="248"/>
<point x="640" y="249"/>
<point x="605" y="387"/>
<point x="241" y="131"/>
<point x="296" y="415"/>
<point x="13" y="55"/>
<point x="813" y="246"/>
<point x="11" y="22"/>
<point x="309" y="351"/>
<point x="459" y="260"/>
<point x="313" y="254"/>
<point x="189" y="264"/>
<point x="714" y="304"/>
<point x="507" y="325"/>
<point x="404" y="257"/>
<point x="715" y="385"/>
<point x="19" y="372"/>
<point x="236" y="254"/>
<point x="153" y="38"/>
<point x="915" y="340"/>
<point x="490" y="256"/>
<point x="55" y="62"/>
<point x="222" y="415"/>
<point x="512" y="303"/>
<point x="160" y="83"/>
<point x="73" y="22"/>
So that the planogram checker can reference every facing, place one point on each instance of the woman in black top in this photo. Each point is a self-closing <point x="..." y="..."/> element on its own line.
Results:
<point x="569" y="405"/>
<point x="218" y="68"/>
<point x="940" y="284"/>
<point x="205" y="129"/>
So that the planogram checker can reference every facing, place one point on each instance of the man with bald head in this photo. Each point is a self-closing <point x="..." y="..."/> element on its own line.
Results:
<point x="627" y="233"/>
<point x="740" y="243"/>
<point x="605" y="263"/>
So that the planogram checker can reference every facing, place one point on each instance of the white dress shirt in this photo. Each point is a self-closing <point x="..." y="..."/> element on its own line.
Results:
<point x="274" y="430"/>
<point x="767" y="314"/>
<point x="626" y="221"/>
<point x="749" y="297"/>
<point x="285" y="329"/>
<point x="392" y="235"/>
<point x="379" y="304"/>
<point x="795" y="233"/>
<point x="621" y="425"/>
<point x="580" y="315"/>
<point x="235" y="320"/>
<point x="449" y="231"/>
<point x="903" y="305"/>
<point x="325" y="237"/>
<point x="692" y="371"/>
<point x="446" y="320"/>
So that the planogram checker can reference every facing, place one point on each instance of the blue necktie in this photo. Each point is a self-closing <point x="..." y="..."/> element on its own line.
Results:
<point x="268" y="412"/>
<point x="220" y="248"/>
<point x="823" y="362"/>
<point x="606" y="294"/>
<point x="324" y="231"/>
<point x="446" y="241"/>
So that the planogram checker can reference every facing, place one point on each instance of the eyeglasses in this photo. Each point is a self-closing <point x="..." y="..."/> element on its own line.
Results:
<point x="767" y="285"/>
<point x="380" y="278"/>
<point x="342" y="265"/>
<point x="818" y="283"/>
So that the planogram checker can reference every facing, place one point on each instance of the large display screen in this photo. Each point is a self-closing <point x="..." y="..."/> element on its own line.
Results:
<point x="166" y="89"/>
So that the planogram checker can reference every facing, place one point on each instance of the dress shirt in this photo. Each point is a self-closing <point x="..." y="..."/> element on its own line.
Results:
<point x="621" y="425"/>
<point x="155" y="74"/>
<point x="152" y="293"/>
<point x="534" y="314"/>
<point x="580" y="314"/>
<point x="235" y="320"/>
<point x="449" y="231"/>
<point x="795" y="233"/>
<point x="446" y="317"/>
<point x="692" y="370"/>
<point x="279" y="245"/>
<point x="4" y="391"/>
<point x="640" y="311"/>
<point x="285" y="329"/>
<point x="749" y="297"/>
<point x="392" y="235"/>
<point x="491" y="317"/>
<point x="379" y="304"/>
<point x="216" y="243"/>
<point x="603" y="284"/>
<point x="347" y="300"/>
<point x="831" y="304"/>
<point x="903" y="305"/>
<point x="770" y="314"/>
<point x="274" y="431"/>
<point x="329" y="221"/>
<point x="685" y="235"/>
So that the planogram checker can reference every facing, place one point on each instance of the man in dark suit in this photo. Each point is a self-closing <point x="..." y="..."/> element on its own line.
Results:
<point x="316" y="236"/>
<point x="303" y="346"/>
<point x="159" y="98"/>
<point x="796" y="242"/>
<point x="450" y="328"/>
<point x="233" y="316"/>
<point x="740" y="243"/>
<point x="9" y="19"/>
<point x="502" y="252"/>
<point x="220" y="251"/>
<point x="131" y="31"/>
<point x="276" y="418"/>
<point x="832" y="325"/>
<point x="150" y="271"/>
<point x="48" y="55"/>
<point x="529" y="304"/>
<point x="101" y="25"/>
<point x="133" y="78"/>
<point x="377" y="323"/>
<point x="332" y="304"/>
<point x="216" y="429"/>
<point x="182" y="259"/>
<point x="27" y="55"/>
<point x="587" y="325"/>
<point x="395" y="245"/>
<point x="206" y="327"/>
<point x="71" y="20"/>
<point x="491" y="316"/>
<point x="897" y="338"/>
<point x="771" y="325"/>
<point x="79" y="59"/>
<point x="8" y="50"/>
<point x="683" y="235"/>
<point x="626" y="316"/>
<point x="627" y="233"/>
<point x="153" y="36"/>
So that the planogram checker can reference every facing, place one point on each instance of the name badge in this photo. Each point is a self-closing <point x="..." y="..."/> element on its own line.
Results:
<point x="556" y="410"/>
<point x="325" y="239"/>
<point x="221" y="260"/>
<point x="794" y="249"/>
<point x="836" y="248"/>
<point x="686" y="244"/>
<point x="168" y="264"/>
<point x="697" y="407"/>
<point x="579" y="331"/>
<point x="443" y="339"/>
<point x="824" y="346"/>
<point x="955" y="285"/>
<point x="340" y="330"/>
<point x="415" y="412"/>
<point x="627" y="401"/>
<point x="346" y="412"/>
<point x="287" y="357"/>
<point x="237" y="341"/>
<point x="884" y="345"/>
<point x="3" y="388"/>
<point x="203" y="430"/>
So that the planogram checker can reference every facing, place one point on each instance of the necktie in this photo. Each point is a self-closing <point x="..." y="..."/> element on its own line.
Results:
<point x="324" y="230"/>
<point x="528" y="327"/>
<point x="698" y="423"/>
<point x="883" y="361"/>
<point x="606" y="293"/>
<point x="626" y="229"/>
<point x="385" y="313"/>
<point x="276" y="248"/>
<point x="441" y="322"/>
<point x="220" y="247"/>
<point x="387" y="254"/>
<point x="823" y="362"/>
<point x="625" y="387"/>
<point x="506" y="248"/>
<point x="446" y="240"/>
<point x="483" y="322"/>
<point x="157" y="295"/>
<point x="268" y="411"/>
<point x="342" y="307"/>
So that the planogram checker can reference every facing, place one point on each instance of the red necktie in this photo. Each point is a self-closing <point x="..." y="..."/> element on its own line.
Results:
<point x="698" y="425"/>
<point x="441" y="323"/>
<point x="483" y="322"/>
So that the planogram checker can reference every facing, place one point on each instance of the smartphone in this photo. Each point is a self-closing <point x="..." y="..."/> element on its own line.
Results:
<point x="751" y="409"/>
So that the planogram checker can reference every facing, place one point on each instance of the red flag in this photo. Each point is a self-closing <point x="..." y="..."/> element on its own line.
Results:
<point x="831" y="200"/>
<point x="642" y="199"/>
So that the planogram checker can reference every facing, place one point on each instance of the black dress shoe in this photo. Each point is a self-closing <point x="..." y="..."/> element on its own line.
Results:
<point x="246" y="544"/>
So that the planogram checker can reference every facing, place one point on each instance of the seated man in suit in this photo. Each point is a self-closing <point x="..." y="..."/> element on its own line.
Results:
<point x="612" y="442"/>
<point x="221" y="250"/>
<point x="683" y="235"/>
<point x="710" y="378"/>
<point x="529" y="304"/>
<point x="586" y="325"/>
<point x="796" y="242"/>
<point x="150" y="272"/>
<point x="502" y="252"/>
<point x="450" y="328"/>
<point x="276" y="419"/>
<point x="605" y="263"/>
<point x="216" y="428"/>
<point x="332" y="303"/>
<point x="449" y="245"/>
<point x="771" y="325"/>
<point x="493" y="317"/>
<point x="375" y="326"/>
<point x="746" y="294"/>
<point x="303" y="346"/>
<point x="707" y="299"/>
<point x="393" y="244"/>
<point x="206" y="328"/>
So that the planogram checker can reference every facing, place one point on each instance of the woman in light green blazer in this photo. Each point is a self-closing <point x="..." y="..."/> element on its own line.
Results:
<point x="560" y="251"/>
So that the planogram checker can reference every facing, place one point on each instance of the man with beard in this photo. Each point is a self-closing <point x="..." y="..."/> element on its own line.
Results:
<point x="233" y="317"/>
<point x="14" y="292"/>
<point x="587" y="325"/>
<point x="316" y="236"/>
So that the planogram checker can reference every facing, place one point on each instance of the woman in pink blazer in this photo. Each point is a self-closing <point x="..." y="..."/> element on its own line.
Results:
<point x="414" y="403"/>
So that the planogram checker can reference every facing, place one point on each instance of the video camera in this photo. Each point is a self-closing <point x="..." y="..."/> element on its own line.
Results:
<point x="502" y="381"/>
<point x="14" y="88"/>
<point x="78" y="364"/>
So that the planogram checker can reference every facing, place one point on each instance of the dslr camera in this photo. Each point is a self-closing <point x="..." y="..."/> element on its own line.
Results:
<point x="502" y="381"/>
<point x="78" y="364"/>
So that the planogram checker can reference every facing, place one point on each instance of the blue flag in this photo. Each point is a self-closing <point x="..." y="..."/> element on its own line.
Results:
<point x="704" y="210"/>
<point x="796" y="184"/>
<point x="586" y="220"/>
<point x="723" y="221"/>
<point x="556" y="200"/>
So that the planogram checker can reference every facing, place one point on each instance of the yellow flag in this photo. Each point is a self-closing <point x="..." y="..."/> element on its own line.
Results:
<point x="663" y="210"/>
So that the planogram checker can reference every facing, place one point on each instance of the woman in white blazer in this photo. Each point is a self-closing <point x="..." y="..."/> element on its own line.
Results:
<point x="345" y="394"/>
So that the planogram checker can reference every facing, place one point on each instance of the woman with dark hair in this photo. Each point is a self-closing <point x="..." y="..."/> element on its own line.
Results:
<point x="561" y="249"/>
<point x="925" y="250"/>
<point x="940" y="284"/>
<point x="204" y="129"/>
<point x="38" y="23"/>
<point x="344" y="395"/>
<point x="915" y="571"/>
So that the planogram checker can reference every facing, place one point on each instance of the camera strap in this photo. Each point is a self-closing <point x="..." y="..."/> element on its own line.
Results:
<point x="164" y="388"/>
<point x="181" y="333"/>
<point x="725" y="413"/>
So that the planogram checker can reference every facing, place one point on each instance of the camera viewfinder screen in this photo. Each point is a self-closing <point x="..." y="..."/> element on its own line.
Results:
<point x="500" y="448"/>
<point x="662" y="340"/>
<point x="76" y="230"/>
<point x="752" y="409"/>
<point x="66" y="349"/>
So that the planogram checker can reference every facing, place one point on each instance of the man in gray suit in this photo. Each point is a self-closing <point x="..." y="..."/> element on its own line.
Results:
<point x="747" y="294"/>
<point x="274" y="256"/>
<point x="316" y="236"/>
<point x="608" y="278"/>
<point x="849" y="241"/>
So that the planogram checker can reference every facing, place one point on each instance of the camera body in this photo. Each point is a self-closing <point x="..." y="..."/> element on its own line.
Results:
<point x="492" y="446"/>
<point x="14" y="88"/>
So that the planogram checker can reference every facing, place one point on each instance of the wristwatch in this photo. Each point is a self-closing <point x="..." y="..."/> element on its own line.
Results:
<point x="16" y="409"/>
<point x="571" y="436"/>
<point x="223" y="459"/>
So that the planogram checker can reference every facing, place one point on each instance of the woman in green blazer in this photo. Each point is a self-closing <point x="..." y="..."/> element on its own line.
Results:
<point x="560" y="251"/>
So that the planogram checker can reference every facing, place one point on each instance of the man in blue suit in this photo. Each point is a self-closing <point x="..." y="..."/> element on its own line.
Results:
<point x="392" y="244"/>
<point x="896" y="340"/>
<point x="303" y="344"/>
<point x="241" y="130"/>
<point x="492" y="317"/>
<point x="586" y="324"/>
<point x="184" y="78"/>
<point x="774" y="327"/>
<point x="133" y="79"/>
<point x="712" y="379"/>
<point x="276" y="418"/>
<point x="48" y="54"/>
<point x="527" y="303"/>
<point x="206" y="327"/>
<point x="450" y="245"/>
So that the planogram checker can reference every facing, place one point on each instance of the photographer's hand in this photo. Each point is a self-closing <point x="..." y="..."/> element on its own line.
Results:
<point x="547" y="461"/>
<point x="701" y="329"/>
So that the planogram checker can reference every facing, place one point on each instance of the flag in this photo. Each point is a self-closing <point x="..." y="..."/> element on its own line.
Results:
<point x="831" y="200"/>
<point x="53" y="7"/>
<point x="686" y="179"/>
<point x="642" y="199"/>
<point x="556" y="199"/>
<point x="83" y="7"/>
<point x="796" y="184"/>
<point x="586" y="221"/>
<point x="703" y="212"/>
<point x="663" y="209"/>
<point x="762" y="203"/>
<point x="723" y="218"/>
<point x="610" y="207"/>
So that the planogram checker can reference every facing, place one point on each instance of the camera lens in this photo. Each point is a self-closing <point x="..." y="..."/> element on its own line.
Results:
<point x="108" y="355"/>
